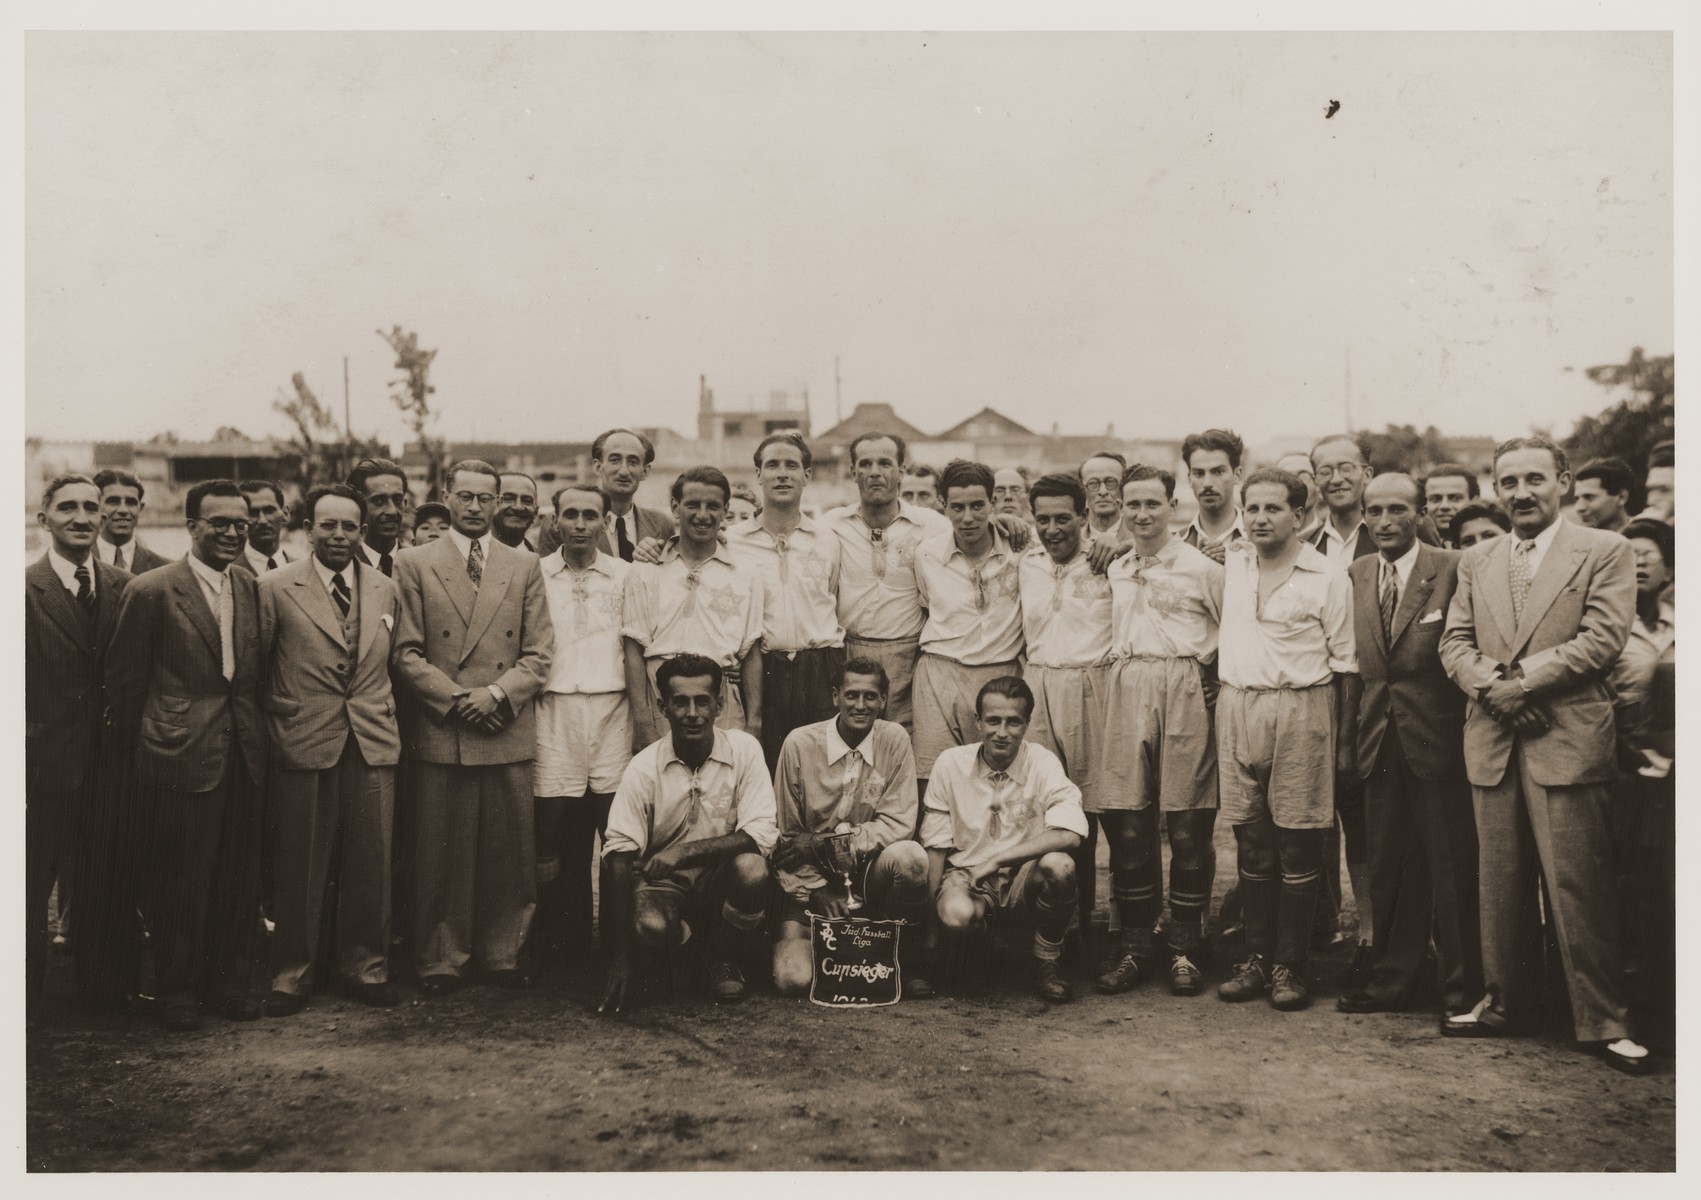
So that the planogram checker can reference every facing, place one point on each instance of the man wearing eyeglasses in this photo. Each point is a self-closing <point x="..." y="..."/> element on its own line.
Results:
<point x="967" y="580"/>
<point x="1010" y="494"/>
<point x="879" y="606"/>
<point x="475" y="648"/>
<point x="183" y="681"/>
<point x="516" y="509"/>
<point x="326" y="629"/>
<point x="1101" y="476"/>
<point x="1213" y="461"/>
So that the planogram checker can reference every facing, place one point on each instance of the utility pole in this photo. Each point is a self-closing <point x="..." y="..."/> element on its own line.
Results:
<point x="1348" y="398"/>
<point x="348" y="420"/>
<point x="838" y="411"/>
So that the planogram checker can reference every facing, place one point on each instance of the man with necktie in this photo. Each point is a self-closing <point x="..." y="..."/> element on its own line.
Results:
<point x="183" y="680"/>
<point x="70" y="609"/>
<point x="383" y="486"/>
<point x="265" y="551"/>
<point x="1538" y="621"/>
<point x="474" y="649"/>
<point x="121" y="506"/>
<point x="620" y="460"/>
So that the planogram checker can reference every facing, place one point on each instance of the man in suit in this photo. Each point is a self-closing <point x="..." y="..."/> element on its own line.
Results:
<point x="475" y="648"/>
<point x="70" y="608"/>
<point x="121" y="505"/>
<point x="621" y="460"/>
<point x="516" y="509"/>
<point x="1411" y="761"/>
<point x="383" y="486"/>
<point x="183" y="680"/>
<point x="327" y="627"/>
<point x="264" y="551"/>
<point x="1536" y="624"/>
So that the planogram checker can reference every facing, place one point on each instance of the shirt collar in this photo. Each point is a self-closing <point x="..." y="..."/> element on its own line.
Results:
<point x="1235" y="529"/>
<point x="463" y="543"/>
<point x="556" y="564"/>
<point x="326" y="574"/>
<point x="836" y="748"/>
<point x="213" y="579"/>
<point x="1544" y="539"/>
<point x="1000" y="546"/>
<point x="107" y="552"/>
<point x="720" y="752"/>
<point x="1404" y="564"/>
<point x="670" y="551"/>
<point x="1310" y="559"/>
<point x="1017" y="770"/>
<point x="1329" y="533"/>
<point x="67" y="570"/>
<point x="258" y="560"/>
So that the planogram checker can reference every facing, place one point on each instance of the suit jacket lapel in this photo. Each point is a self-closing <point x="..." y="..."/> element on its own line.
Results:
<point x="194" y="605"/>
<point x="1559" y="564"/>
<point x="372" y="607"/>
<point x="498" y="569"/>
<point x="1494" y="582"/>
<point x="109" y="579"/>
<point x="451" y="571"/>
<point x="58" y="602"/>
<point x="315" y="601"/>
<point x="1418" y="588"/>
<point x="1368" y="600"/>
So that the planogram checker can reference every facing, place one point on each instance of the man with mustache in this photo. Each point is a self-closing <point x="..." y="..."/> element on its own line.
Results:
<point x="1161" y="761"/>
<point x="797" y="561"/>
<point x="184" y="679"/>
<point x="1001" y="822"/>
<point x="121" y="506"/>
<point x="1213" y="466"/>
<point x="853" y="774"/>
<point x="1539" y="619"/>
<point x="71" y="602"/>
<point x="265" y="551"/>
<point x="693" y="818"/>
<point x="327" y="626"/>
<point x="879" y="605"/>
<point x="696" y="600"/>
<point x="516" y="509"/>
<point x="383" y="487"/>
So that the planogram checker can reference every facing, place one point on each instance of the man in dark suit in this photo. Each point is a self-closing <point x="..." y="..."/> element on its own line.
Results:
<point x="384" y="487"/>
<point x="1411" y="761"/>
<point x="621" y="460"/>
<point x="264" y="551"/>
<point x="327" y="626"/>
<point x="474" y="649"/>
<point x="183" y="680"/>
<point x="1538" y="620"/>
<point x="70" y="608"/>
<point x="121" y="505"/>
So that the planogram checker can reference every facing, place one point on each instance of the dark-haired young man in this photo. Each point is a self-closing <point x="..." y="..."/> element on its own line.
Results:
<point x="327" y="628"/>
<point x="1001" y="823"/>
<point x="265" y="551"/>
<point x="71" y="602"/>
<point x="183" y="679"/>
<point x="1602" y="492"/>
<point x="1447" y="488"/>
<point x="1167" y="599"/>
<point x="383" y="486"/>
<point x="852" y="774"/>
<point x="1283" y="724"/>
<point x="968" y="582"/>
<point x="696" y="600"/>
<point x="1660" y="486"/>
<point x="693" y="818"/>
<point x="1213" y="466"/>
<point x="797" y="562"/>
<point x="474" y="649"/>
<point x="121" y="506"/>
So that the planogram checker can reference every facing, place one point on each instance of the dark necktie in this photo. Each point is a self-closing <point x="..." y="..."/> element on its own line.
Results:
<point x="85" y="587"/>
<point x="475" y="564"/>
<point x="271" y="562"/>
<point x="625" y="542"/>
<point x="339" y="590"/>
<point x="1389" y="599"/>
<point x="118" y="558"/>
<point x="385" y="562"/>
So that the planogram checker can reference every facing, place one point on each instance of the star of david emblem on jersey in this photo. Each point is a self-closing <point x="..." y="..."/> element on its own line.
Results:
<point x="1090" y="587"/>
<point x="724" y="602"/>
<point x="811" y="564"/>
<point x="1007" y="581"/>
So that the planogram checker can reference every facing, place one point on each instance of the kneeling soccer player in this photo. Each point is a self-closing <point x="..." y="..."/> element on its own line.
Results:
<point x="854" y="774"/>
<point x="694" y="815"/>
<point x="999" y="822"/>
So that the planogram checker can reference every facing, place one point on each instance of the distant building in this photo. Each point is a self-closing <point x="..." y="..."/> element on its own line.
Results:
<point x="166" y="467"/>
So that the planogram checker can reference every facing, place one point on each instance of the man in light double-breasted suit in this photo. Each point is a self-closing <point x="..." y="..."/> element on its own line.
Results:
<point x="327" y="627"/>
<point x="1411" y="761"/>
<point x="475" y="647"/>
<point x="1536" y="624"/>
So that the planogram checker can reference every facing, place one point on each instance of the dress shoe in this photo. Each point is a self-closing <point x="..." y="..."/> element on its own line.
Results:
<point x="1363" y="1002"/>
<point x="1287" y="989"/>
<point x="440" y="985"/>
<point x="1625" y="1055"/>
<point x="1466" y="1025"/>
<point x="375" y="995"/>
<point x="238" y="1008"/>
<point x="1356" y="974"/>
<point x="1185" y="979"/>
<point x="284" y="1004"/>
<point x="1122" y="976"/>
<point x="1049" y="983"/>
<point x="726" y="983"/>
<point x="1248" y="982"/>
<point x="179" y="1019"/>
<point x="514" y="980"/>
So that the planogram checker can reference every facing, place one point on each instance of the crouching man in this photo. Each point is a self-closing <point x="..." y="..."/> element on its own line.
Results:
<point x="854" y="774"/>
<point x="693" y="817"/>
<point x="999" y="823"/>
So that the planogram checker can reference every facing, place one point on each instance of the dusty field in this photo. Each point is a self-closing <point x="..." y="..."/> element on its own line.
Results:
<point x="983" y="1078"/>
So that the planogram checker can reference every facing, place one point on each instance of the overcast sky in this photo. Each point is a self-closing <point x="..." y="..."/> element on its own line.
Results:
<point x="1156" y="231"/>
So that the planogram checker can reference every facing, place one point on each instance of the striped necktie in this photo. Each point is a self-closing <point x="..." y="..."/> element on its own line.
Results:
<point x="1389" y="598"/>
<point x="339" y="591"/>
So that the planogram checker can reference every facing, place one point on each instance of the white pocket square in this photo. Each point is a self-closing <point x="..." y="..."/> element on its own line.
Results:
<point x="390" y="624"/>
<point x="1431" y="618"/>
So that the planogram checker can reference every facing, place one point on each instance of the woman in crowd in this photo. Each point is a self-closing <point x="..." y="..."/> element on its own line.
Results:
<point x="1478" y="521"/>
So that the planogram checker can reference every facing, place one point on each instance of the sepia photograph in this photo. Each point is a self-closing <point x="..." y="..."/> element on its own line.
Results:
<point x="749" y="599"/>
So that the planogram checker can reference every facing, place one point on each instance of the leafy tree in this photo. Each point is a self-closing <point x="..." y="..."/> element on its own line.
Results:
<point x="1405" y="448"/>
<point x="320" y="454"/>
<point x="412" y="395"/>
<point x="1630" y="427"/>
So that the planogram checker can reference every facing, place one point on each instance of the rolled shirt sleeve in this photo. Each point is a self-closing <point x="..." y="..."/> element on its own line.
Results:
<point x="1338" y="624"/>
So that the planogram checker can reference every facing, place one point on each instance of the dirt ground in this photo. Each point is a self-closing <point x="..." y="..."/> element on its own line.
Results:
<point x="983" y="1078"/>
